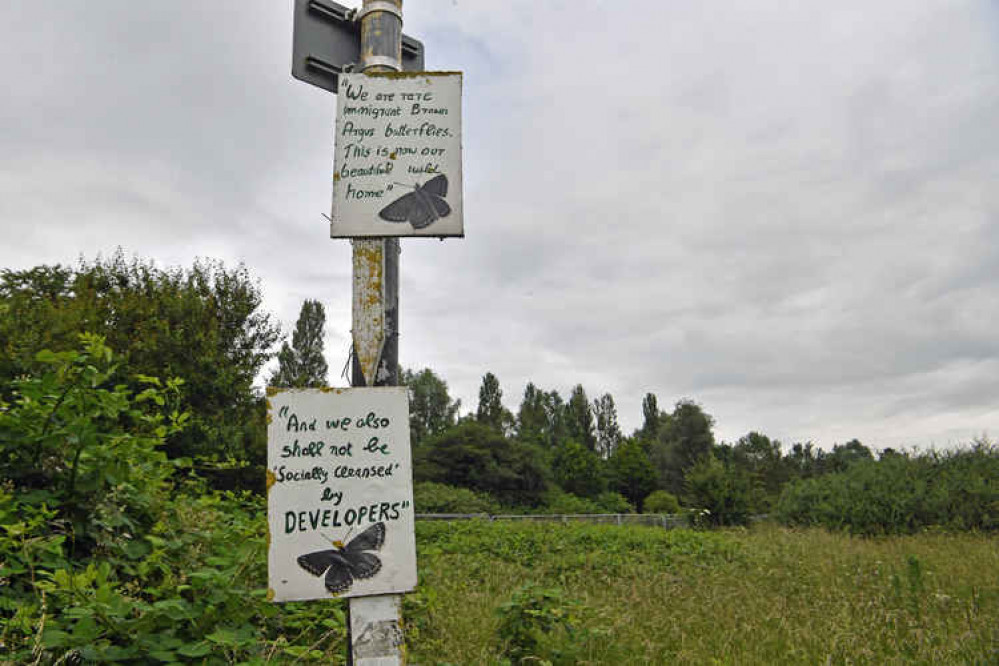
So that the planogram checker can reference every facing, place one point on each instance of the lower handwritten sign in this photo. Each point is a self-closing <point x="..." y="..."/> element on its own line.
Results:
<point x="339" y="493"/>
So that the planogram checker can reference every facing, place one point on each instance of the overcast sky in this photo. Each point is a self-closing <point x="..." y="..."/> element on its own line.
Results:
<point x="786" y="211"/>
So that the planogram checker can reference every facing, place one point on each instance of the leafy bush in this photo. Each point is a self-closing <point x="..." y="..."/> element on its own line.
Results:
<point x="611" y="502"/>
<point x="901" y="493"/>
<point x="88" y="451"/>
<point x="721" y="491"/>
<point x="660" y="501"/>
<point x="559" y="501"/>
<point x="477" y="457"/>
<point x="100" y="562"/>
<point x="203" y="324"/>
<point x="631" y="472"/>
<point x="531" y="624"/>
<point x="430" y="497"/>
<point x="578" y="470"/>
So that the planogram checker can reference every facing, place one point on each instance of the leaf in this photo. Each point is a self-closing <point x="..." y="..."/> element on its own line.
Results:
<point x="163" y="655"/>
<point x="195" y="650"/>
<point x="53" y="638"/>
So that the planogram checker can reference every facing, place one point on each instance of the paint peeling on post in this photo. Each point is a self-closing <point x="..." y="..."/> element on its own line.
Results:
<point x="378" y="636"/>
<point x="368" y="311"/>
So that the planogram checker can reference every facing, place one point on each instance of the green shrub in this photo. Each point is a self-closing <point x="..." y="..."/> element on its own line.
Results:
<point x="559" y="501"/>
<point x="534" y="623"/>
<point x="100" y="563"/>
<point x="89" y="451"/>
<point x="475" y="456"/>
<point x="901" y="494"/>
<point x="203" y="323"/>
<point x="720" y="492"/>
<point x="612" y="502"/>
<point x="660" y="501"/>
<point x="430" y="497"/>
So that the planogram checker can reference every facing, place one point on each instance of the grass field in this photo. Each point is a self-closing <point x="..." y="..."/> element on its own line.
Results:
<point x="632" y="595"/>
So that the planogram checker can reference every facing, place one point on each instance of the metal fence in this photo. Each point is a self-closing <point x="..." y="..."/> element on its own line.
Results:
<point x="665" y="520"/>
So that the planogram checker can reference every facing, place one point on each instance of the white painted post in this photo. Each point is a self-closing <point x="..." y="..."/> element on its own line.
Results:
<point x="375" y="623"/>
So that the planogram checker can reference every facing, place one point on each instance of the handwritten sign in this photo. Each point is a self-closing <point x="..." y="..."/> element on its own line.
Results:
<point x="339" y="493"/>
<point x="398" y="155"/>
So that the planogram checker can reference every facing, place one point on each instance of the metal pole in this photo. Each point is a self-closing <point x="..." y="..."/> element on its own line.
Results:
<point x="375" y="623"/>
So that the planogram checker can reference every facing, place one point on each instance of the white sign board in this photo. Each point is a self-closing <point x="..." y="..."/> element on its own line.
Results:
<point x="339" y="493"/>
<point x="398" y="155"/>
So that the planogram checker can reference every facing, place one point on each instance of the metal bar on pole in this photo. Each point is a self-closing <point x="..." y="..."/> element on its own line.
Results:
<point x="375" y="623"/>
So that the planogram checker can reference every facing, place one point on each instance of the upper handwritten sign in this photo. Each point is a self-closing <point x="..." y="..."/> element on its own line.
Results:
<point x="398" y="155"/>
<point x="339" y="493"/>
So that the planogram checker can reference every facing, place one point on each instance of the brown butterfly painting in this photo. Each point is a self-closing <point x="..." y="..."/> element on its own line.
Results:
<point x="421" y="207"/>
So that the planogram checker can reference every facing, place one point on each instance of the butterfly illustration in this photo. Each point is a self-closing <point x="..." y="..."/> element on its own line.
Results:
<point x="421" y="207"/>
<point x="343" y="563"/>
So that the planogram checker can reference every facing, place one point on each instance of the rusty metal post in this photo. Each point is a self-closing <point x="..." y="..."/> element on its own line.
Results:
<point x="375" y="623"/>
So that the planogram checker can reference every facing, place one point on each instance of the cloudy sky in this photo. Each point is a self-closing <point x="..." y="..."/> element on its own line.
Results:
<point x="786" y="211"/>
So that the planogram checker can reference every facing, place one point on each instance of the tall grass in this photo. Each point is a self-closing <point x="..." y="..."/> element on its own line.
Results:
<point x="636" y="595"/>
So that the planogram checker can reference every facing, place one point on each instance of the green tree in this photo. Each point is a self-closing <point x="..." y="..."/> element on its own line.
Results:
<point x="761" y="458"/>
<point x="723" y="490"/>
<point x="651" y="419"/>
<point x="684" y="439"/>
<point x="843" y="456"/>
<point x="532" y="416"/>
<point x="578" y="470"/>
<point x="631" y="472"/>
<point x="579" y="419"/>
<point x="203" y="324"/>
<point x="608" y="432"/>
<point x="476" y="456"/>
<point x="491" y="411"/>
<point x="431" y="409"/>
<point x="556" y="428"/>
<point x="660" y="501"/>
<point x="302" y="364"/>
<point x="803" y="461"/>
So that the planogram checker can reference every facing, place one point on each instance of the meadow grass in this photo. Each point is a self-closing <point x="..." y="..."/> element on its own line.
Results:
<point x="606" y="594"/>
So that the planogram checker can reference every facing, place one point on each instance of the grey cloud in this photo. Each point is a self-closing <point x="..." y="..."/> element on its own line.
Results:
<point x="787" y="212"/>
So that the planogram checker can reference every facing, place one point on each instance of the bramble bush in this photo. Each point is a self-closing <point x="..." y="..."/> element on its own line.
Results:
<point x="103" y="558"/>
<point x="89" y="452"/>
<point x="535" y="625"/>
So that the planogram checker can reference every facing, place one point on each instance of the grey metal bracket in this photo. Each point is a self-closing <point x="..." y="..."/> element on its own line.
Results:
<point x="327" y="41"/>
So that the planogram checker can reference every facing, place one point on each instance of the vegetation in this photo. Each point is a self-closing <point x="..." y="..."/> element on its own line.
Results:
<point x="601" y="594"/>
<point x="902" y="493"/>
<point x="203" y="324"/>
<point x="660" y="501"/>
<point x="302" y="364"/>
<point x="430" y="497"/>
<point x="121" y="540"/>
<point x="477" y="457"/>
<point x="102" y="556"/>
<point x="431" y="409"/>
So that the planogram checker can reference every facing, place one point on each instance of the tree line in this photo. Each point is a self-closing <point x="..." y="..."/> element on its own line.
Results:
<point x="572" y="454"/>
<point x="205" y="326"/>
